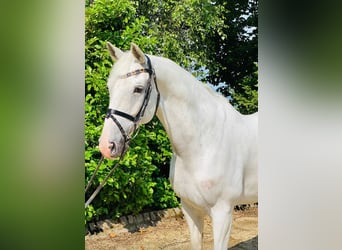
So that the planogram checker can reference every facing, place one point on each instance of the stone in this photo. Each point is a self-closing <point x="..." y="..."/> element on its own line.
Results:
<point x="153" y="216"/>
<point x="139" y="219"/>
<point x="146" y="217"/>
<point x="130" y="219"/>
<point x="123" y="220"/>
<point x="178" y="212"/>
<point x="92" y="227"/>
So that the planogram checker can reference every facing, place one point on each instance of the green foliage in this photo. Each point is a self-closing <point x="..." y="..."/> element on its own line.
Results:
<point x="164" y="197"/>
<point x="202" y="36"/>
<point x="246" y="101"/>
<point x="232" y="58"/>
<point x="132" y="186"/>
<point x="181" y="28"/>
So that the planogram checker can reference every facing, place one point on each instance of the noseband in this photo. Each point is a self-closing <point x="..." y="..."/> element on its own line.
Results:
<point x="135" y="119"/>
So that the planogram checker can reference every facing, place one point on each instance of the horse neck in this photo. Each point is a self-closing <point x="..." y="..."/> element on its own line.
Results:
<point x="186" y="108"/>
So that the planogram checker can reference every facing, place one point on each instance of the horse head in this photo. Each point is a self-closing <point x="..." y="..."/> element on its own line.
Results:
<point x="133" y="99"/>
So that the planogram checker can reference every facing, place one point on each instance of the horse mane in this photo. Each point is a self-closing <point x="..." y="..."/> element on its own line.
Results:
<point x="214" y="93"/>
<point x="201" y="84"/>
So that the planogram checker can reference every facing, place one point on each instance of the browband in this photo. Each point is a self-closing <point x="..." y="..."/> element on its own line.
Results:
<point x="136" y="72"/>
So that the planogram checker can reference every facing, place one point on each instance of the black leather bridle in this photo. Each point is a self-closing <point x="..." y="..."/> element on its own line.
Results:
<point x="135" y="119"/>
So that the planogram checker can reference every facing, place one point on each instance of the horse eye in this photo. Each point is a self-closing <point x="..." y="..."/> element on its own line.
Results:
<point x="138" y="90"/>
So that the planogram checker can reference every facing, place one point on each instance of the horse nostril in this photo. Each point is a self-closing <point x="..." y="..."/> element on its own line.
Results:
<point x="112" y="147"/>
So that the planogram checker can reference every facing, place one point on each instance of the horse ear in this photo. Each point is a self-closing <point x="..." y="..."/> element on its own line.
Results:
<point x="114" y="52"/>
<point x="137" y="53"/>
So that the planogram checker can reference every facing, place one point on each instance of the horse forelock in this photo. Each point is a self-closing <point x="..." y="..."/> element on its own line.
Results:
<point x="123" y="66"/>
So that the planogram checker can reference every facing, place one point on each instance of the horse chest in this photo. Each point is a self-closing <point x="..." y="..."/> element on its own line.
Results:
<point x="199" y="193"/>
<point x="201" y="190"/>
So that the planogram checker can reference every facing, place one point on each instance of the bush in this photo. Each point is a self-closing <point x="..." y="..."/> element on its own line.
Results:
<point x="140" y="181"/>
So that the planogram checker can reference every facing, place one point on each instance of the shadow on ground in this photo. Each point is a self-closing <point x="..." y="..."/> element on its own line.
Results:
<point x="251" y="244"/>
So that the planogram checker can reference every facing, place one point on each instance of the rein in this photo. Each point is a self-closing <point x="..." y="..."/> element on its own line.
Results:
<point x="110" y="114"/>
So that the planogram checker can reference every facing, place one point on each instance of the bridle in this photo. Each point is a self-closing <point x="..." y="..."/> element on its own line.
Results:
<point x="135" y="119"/>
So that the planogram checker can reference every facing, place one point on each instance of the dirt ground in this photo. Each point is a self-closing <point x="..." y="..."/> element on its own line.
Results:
<point x="173" y="234"/>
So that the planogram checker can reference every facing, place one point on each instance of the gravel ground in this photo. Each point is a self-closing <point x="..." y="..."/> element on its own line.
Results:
<point x="172" y="233"/>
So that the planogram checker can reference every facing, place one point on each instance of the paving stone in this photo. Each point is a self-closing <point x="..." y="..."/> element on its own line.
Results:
<point x="123" y="220"/>
<point x="130" y="219"/>
<point x="104" y="225"/>
<point x="178" y="211"/>
<point x="153" y="216"/>
<point x="92" y="227"/>
<point x="132" y="223"/>
<point x="139" y="219"/>
<point x="160" y="214"/>
<point x="171" y="212"/>
<point x="146" y="217"/>
<point x="168" y="213"/>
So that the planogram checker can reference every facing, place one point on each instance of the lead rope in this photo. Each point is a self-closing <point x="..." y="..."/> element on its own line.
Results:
<point x="92" y="177"/>
<point x="91" y="198"/>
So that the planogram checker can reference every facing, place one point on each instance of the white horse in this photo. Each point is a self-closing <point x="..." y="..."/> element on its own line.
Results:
<point x="214" y="163"/>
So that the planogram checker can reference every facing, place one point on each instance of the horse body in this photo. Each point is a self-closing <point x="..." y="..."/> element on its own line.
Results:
<point x="207" y="134"/>
<point x="214" y="163"/>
